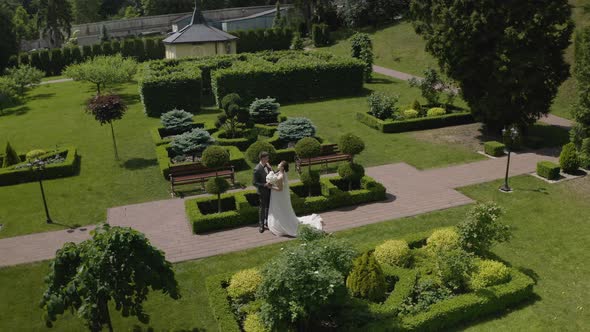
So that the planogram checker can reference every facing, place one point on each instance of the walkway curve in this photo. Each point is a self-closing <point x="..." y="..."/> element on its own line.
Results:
<point x="411" y="192"/>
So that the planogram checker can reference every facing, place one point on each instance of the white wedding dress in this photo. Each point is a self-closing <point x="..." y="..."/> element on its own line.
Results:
<point x="282" y="220"/>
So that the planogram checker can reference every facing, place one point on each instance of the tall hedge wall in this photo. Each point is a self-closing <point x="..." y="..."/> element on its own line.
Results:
<point x="263" y="39"/>
<point x="290" y="77"/>
<point x="171" y="87"/>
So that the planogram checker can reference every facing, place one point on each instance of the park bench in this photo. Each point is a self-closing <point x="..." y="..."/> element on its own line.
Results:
<point x="329" y="154"/>
<point x="197" y="173"/>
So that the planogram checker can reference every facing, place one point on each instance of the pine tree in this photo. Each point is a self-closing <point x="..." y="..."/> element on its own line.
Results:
<point x="367" y="279"/>
<point x="10" y="156"/>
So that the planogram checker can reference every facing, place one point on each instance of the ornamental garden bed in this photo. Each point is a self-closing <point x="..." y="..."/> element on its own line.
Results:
<point x="165" y="156"/>
<point x="62" y="162"/>
<point x="423" y="123"/>
<point x="161" y="135"/>
<point x="237" y="299"/>
<point x="285" y="151"/>
<point x="248" y="137"/>
<point x="246" y="204"/>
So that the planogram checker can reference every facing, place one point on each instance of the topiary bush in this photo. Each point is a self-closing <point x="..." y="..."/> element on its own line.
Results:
<point x="351" y="144"/>
<point x="253" y="152"/>
<point x="177" y="121"/>
<point x="361" y="47"/>
<point x="352" y="173"/>
<point x="10" y="156"/>
<point x="393" y="252"/>
<point x="548" y="170"/>
<point x="34" y="154"/>
<point x="253" y="323"/>
<point x="215" y="157"/>
<point x="265" y="110"/>
<point x="366" y="280"/>
<point x="411" y="114"/>
<point x="310" y="179"/>
<point x="191" y="142"/>
<point x="444" y="239"/>
<point x="488" y="273"/>
<point x="436" y="111"/>
<point x="382" y="106"/>
<point x="569" y="159"/>
<point x="494" y="148"/>
<point x="244" y="284"/>
<point x="295" y="129"/>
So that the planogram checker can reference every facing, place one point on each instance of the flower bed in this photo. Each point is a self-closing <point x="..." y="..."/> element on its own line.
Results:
<point x="431" y="122"/>
<point x="246" y="210"/>
<point x="161" y="135"/>
<point x="20" y="174"/>
<point x="390" y="314"/>
<point x="237" y="159"/>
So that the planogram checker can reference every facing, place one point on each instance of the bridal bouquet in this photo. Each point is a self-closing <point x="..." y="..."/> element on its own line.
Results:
<point x="272" y="178"/>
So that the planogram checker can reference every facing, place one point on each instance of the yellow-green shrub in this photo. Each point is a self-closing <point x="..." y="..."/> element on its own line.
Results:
<point x="444" y="239"/>
<point x="253" y="323"/>
<point x="489" y="273"/>
<point x="436" y="111"/>
<point x="244" y="283"/>
<point x="410" y="114"/>
<point x="393" y="252"/>
<point x="34" y="154"/>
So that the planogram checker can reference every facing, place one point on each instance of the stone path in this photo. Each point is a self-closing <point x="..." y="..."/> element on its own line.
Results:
<point x="61" y="80"/>
<point x="411" y="192"/>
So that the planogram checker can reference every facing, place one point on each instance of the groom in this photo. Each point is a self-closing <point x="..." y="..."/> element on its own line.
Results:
<point x="260" y="172"/>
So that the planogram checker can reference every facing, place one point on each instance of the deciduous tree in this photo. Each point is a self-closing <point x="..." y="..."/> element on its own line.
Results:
<point x="103" y="71"/>
<point x="55" y="20"/>
<point x="8" y="42"/>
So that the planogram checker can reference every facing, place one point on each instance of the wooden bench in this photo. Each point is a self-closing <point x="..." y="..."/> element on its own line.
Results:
<point x="330" y="154"/>
<point x="197" y="173"/>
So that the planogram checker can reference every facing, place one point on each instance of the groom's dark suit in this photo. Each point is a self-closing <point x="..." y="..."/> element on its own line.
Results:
<point x="259" y="182"/>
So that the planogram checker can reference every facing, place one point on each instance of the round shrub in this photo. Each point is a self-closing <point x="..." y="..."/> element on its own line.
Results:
<point x="244" y="284"/>
<point x="410" y="114"/>
<point x="216" y="186"/>
<point x="569" y="159"/>
<point x="191" y="142"/>
<point x="253" y="323"/>
<point x="308" y="147"/>
<point x="489" y="273"/>
<point x="215" y="156"/>
<point x="381" y="105"/>
<point x="393" y="252"/>
<point x="264" y="110"/>
<point x="366" y="280"/>
<point x="253" y="152"/>
<point x="436" y="111"/>
<point x="229" y="100"/>
<point x="106" y="108"/>
<point x="294" y="129"/>
<point x="351" y="172"/>
<point x="177" y="120"/>
<point x="33" y="154"/>
<point x="310" y="178"/>
<point x="351" y="144"/>
<point x="444" y="239"/>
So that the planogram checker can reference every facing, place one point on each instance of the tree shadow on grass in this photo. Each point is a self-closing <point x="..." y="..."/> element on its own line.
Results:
<point x="130" y="99"/>
<point x="22" y="110"/>
<point x="139" y="328"/>
<point x="139" y="163"/>
<point x="40" y="96"/>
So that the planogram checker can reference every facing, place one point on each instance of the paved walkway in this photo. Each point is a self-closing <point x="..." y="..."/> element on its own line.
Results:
<point x="61" y="80"/>
<point x="411" y="192"/>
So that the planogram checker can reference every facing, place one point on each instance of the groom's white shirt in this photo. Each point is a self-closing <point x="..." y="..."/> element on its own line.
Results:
<point x="265" y="168"/>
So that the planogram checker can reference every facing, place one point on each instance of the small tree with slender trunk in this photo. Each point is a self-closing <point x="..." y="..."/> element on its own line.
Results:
<point x="216" y="157"/>
<point x="117" y="265"/>
<point x="307" y="148"/>
<point x="106" y="109"/>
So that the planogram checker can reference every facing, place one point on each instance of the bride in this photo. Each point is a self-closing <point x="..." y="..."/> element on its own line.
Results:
<point x="282" y="220"/>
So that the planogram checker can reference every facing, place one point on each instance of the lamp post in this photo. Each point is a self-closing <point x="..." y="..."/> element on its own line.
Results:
<point x="39" y="167"/>
<point x="510" y="136"/>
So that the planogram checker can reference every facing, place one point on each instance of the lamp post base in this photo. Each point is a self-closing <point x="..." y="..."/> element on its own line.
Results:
<point x="505" y="188"/>
<point x="49" y="221"/>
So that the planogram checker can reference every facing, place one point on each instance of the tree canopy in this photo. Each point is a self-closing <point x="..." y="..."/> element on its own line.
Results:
<point x="581" y="110"/>
<point x="8" y="42"/>
<point x="55" y="18"/>
<point x="103" y="71"/>
<point x="507" y="56"/>
<point x="117" y="265"/>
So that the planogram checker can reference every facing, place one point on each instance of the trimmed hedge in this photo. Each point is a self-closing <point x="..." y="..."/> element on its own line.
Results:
<point x="10" y="175"/>
<point x="494" y="149"/>
<point x="158" y="133"/>
<point x="246" y="214"/>
<point x="391" y="126"/>
<point x="218" y="301"/>
<point x="263" y="39"/>
<point x="236" y="159"/>
<point x="265" y="130"/>
<point x="288" y="154"/>
<point x="290" y="76"/>
<point x="173" y="87"/>
<point x="548" y="170"/>
<point x="241" y="143"/>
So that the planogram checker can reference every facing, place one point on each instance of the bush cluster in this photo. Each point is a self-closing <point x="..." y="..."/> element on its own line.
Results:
<point x="481" y="228"/>
<point x="436" y="111"/>
<point x="10" y="175"/>
<point x="244" y="284"/>
<point x="444" y="239"/>
<point x="393" y="252"/>
<point x="489" y="273"/>
<point x="263" y="39"/>
<point x="382" y="106"/>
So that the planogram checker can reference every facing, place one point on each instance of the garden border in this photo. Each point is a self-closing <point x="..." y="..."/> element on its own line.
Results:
<point x="390" y="126"/>
<point x="69" y="167"/>
<point x="156" y="134"/>
<point x="236" y="159"/>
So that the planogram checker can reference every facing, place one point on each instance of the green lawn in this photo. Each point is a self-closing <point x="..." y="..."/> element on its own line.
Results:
<point x="53" y="115"/>
<point x="551" y="230"/>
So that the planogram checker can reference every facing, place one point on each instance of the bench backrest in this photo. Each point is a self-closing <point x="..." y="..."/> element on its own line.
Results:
<point x="329" y="149"/>
<point x="187" y="169"/>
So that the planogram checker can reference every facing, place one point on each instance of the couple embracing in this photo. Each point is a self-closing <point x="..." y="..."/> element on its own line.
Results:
<point x="275" y="209"/>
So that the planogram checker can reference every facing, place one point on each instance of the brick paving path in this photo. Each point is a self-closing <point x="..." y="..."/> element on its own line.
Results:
<point x="411" y="192"/>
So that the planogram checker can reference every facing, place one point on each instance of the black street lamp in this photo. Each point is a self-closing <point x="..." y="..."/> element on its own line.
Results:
<point x="39" y="167"/>
<point x="510" y="138"/>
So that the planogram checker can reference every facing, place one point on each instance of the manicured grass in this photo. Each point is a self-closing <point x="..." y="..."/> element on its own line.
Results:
<point x="551" y="229"/>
